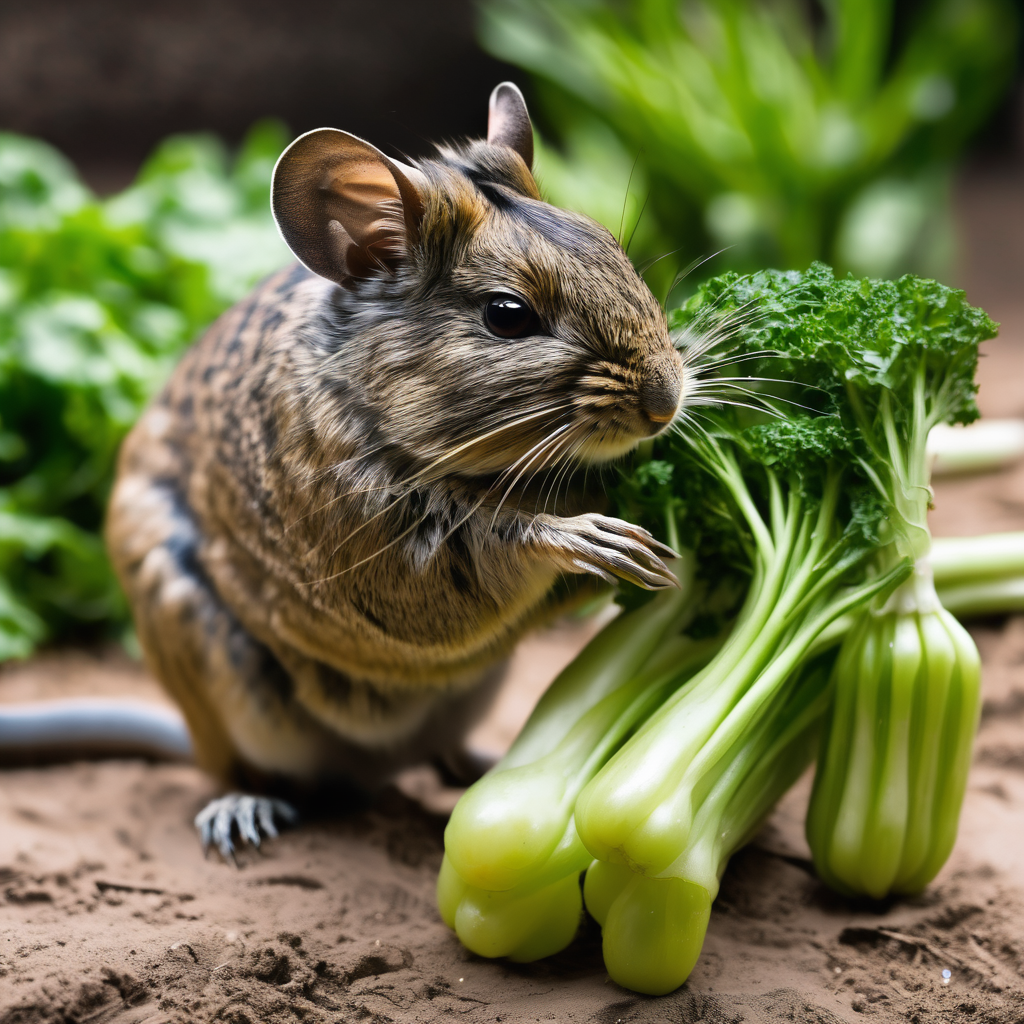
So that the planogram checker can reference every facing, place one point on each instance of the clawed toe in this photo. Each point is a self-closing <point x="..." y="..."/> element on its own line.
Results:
<point x="617" y="548"/>
<point x="661" y="549"/>
<point x="252" y="816"/>
<point x="609" y="548"/>
<point x="594" y="570"/>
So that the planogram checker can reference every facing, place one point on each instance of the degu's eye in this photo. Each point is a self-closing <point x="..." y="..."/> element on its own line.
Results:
<point x="508" y="316"/>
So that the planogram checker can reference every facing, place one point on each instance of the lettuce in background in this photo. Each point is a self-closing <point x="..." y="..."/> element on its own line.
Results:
<point x="784" y="130"/>
<point x="97" y="300"/>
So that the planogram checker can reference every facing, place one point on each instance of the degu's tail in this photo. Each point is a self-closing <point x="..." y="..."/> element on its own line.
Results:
<point x="46" y="732"/>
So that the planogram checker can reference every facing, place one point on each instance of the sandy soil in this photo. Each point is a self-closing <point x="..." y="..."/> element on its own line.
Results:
<point x="109" y="913"/>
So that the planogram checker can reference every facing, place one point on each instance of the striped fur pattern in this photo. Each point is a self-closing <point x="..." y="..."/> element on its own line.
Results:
<point x="340" y="514"/>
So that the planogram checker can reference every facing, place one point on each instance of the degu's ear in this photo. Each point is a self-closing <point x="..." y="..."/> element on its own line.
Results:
<point x="508" y="121"/>
<point x="344" y="208"/>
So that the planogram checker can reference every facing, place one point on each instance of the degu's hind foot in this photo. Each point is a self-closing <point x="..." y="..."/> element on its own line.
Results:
<point x="253" y="817"/>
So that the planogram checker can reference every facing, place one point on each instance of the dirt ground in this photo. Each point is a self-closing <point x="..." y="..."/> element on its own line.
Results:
<point x="109" y="913"/>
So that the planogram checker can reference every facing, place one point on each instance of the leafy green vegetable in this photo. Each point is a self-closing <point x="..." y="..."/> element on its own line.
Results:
<point x="97" y="299"/>
<point x="787" y="131"/>
<point x="512" y="833"/>
<point x="880" y="364"/>
<point x="653" y="927"/>
<point x="801" y="488"/>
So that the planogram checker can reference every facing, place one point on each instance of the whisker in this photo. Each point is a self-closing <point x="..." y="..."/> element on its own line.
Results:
<point x="711" y="403"/>
<point x="422" y="475"/>
<point x="683" y="274"/>
<point x="639" y="218"/>
<point x="647" y="264"/>
<point x="542" y="454"/>
<point x="775" y="398"/>
<point x="556" y="464"/>
<point x="473" y="511"/>
<point x="411" y="528"/>
<point x="362" y="561"/>
<point x="366" y="522"/>
<point x="625" y="198"/>
<point x="489" y="434"/>
<point x="571" y="467"/>
<point x="730" y="357"/>
<point x="694" y="426"/>
<point x="774" y="380"/>
<point x="553" y="461"/>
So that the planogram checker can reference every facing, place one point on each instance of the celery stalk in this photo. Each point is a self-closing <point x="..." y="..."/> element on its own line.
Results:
<point x="961" y="560"/>
<point x="640" y="808"/>
<point x="653" y="927"/>
<point x="985" y="597"/>
<point x="979" y="575"/>
<point x="512" y="921"/>
<point x="509" y="822"/>
<point x="977" y="448"/>
<point x="893" y="769"/>
<point x="513" y="858"/>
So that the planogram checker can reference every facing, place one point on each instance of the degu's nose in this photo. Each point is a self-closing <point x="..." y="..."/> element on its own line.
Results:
<point x="662" y="389"/>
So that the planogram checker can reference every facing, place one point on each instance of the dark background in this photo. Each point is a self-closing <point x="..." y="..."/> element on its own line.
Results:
<point x="104" y="80"/>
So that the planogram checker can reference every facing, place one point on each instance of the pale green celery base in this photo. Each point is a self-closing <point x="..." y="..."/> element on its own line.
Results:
<point x="654" y="932"/>
<point x="538" y="914"/>
<point x="507" y="827"/>
<point x="523" y="926"/>
<point x="603" y="886"/>
<point x="893" y="768"/>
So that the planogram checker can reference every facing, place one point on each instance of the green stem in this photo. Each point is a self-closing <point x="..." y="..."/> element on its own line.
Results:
<point x="761" y="768"/>
<point x="612" y="657"/>
<point x="638" y="809"/>
<point x="508" y="826"/>
<point x="765" y="688"/>
<point x="986" y="597"/>
<point x="957" y="560"/>
<point x="653" y="928"/>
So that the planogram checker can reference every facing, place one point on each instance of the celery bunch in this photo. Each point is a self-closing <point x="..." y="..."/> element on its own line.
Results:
<point x="509" y="881"/>
<point x="896" y="750"/>
<point x="800" y="492"/>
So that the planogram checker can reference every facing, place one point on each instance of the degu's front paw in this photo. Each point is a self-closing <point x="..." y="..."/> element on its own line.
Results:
<point x="607" y="548"/>
<point x="253" y="817"/>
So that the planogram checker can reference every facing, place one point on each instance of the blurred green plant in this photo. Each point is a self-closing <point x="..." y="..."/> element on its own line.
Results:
<point x="97" y="299"/>
<point x="786" y="130"/>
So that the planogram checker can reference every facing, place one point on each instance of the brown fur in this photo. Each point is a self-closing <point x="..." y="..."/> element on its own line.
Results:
<point x="309" y="522"/>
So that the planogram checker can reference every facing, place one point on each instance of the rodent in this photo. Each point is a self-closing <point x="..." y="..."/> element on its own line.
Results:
<point x="332" y="524"/>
